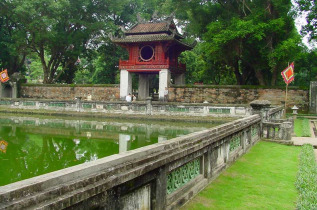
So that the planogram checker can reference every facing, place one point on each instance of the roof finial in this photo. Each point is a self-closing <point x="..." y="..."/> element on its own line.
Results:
<point x="122" y="29"/>
<point x="139" y="18"/>
<point x="154" y="16"/>
<point x="170" y="17"/>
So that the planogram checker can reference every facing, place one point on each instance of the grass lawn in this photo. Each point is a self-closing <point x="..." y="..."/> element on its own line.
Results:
<point x="261" y="179"/>
<point x="302" y="127"/>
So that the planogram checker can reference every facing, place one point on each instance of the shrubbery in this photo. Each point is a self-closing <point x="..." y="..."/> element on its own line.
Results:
<point x="306" y="182"/>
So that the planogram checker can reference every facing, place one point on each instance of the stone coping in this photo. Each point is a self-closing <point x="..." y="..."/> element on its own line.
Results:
<point x="240" y="87"/>
<point x="121" y="116"/>
<point x="127" y="103"/>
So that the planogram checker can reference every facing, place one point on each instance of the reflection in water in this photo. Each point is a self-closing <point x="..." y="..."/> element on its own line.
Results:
<point x="3" y="146"/>
<point x="39" y="146"/>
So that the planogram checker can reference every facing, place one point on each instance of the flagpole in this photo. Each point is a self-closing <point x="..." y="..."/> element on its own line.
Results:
<point x="285" y="100"/>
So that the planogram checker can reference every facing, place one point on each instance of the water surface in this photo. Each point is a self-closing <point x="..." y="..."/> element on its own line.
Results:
<point x="31" y="146"/>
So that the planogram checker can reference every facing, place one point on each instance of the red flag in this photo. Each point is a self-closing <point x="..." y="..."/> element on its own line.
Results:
<point x="288" y="73"/>
<point x="4" y="76"/>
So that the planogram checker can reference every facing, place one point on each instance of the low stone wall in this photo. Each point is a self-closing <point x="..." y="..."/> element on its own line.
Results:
<point x="122" y="107"/>
<point x="183" y="94"/>
<point x="160" y="176"/>
<point x="70" y="92"/>
<point x="238" y="95"/>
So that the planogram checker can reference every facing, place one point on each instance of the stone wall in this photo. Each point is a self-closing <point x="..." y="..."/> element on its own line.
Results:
<point x="238" y="95"/>
<point x="70" y="92"/>
<point x="184" y="94"/>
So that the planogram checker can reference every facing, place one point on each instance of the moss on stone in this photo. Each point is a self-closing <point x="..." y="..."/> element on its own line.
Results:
<point x="241" y="87"/>
<point x="69" y="85"/>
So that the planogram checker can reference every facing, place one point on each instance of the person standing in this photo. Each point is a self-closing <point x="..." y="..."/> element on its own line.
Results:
<point x="128" y="98"/>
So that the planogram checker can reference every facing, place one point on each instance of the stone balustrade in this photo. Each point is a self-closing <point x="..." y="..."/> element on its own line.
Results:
<point x="277" y="129"/>
<point x="146" y="107"/>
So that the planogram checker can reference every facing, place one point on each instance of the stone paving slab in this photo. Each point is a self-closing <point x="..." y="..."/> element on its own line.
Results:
<point x="298" y="141"/>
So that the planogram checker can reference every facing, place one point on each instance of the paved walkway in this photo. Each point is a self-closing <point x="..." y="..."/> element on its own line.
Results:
<point x="298" y="141"/>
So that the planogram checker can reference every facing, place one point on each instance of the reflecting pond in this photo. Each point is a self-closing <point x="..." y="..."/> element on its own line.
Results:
<point x="31" y="146"/>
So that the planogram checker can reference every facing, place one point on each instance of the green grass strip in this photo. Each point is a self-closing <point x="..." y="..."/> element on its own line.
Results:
<point x="306" y="182"/>
<point x="261" y="179"/>
<point x="302" y="127"/>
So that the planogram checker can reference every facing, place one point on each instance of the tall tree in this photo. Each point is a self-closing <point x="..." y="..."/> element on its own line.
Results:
<point x="253" y="39"/>
<point x="12" y="50"/>
<point x="58" y="30"/>
<point x="309" y="8"/>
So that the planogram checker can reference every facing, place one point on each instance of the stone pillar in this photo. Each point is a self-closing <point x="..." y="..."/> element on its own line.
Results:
<point x="313" y="97"/>
<point x="180" y="79"/>
<point x="214" y="160"/>
<point x="143" y="86"/>
<point x="286" y="130"/>
<point x="261" y="107"/>
<point x="207" y="163"/>
<point x="165" y="79"/>
<point x="161" y="186"/>
<point x="1" y="90"/>
<point x="148" y="105"/>
<point x="125" y="84"/>
<point x="14" y="89"/>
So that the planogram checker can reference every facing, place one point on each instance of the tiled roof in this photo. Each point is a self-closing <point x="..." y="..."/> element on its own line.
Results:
<point x="149" y="28"/>
<point x="152" y="31"/>
<point x="151" y="38"/>
<point x="143" y="38"/>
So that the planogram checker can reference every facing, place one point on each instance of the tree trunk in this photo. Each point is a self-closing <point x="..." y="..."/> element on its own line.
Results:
<point x="236" y="71"/>
<point x="274" y="75"/>
<point x="260" y="77"/>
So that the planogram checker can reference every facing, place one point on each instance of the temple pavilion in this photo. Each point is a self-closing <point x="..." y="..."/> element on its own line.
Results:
<point x="153" y="47"/>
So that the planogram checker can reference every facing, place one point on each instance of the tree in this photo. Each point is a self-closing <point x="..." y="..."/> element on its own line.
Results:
<point x="252" y="39"/>
<point x="58" y="30"/>
<point x="12" y="52"/>
<point x="245" y="37"/>
<point x="309" y="8"/>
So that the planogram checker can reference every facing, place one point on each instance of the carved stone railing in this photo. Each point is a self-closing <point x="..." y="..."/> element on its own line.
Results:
<point x="273" y="127"/>
<point x="148" y="107"/>
<point x="277" y="130"/>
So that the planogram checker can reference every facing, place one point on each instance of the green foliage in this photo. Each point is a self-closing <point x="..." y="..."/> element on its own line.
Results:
<point x="199" y="69"/>
<point x="307" y="179"/>
<point x="12" y="56"/>
<point x="302" y="127"/>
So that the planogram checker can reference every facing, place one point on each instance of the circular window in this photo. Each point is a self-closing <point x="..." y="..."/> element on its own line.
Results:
<point x="147" y="53"/>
